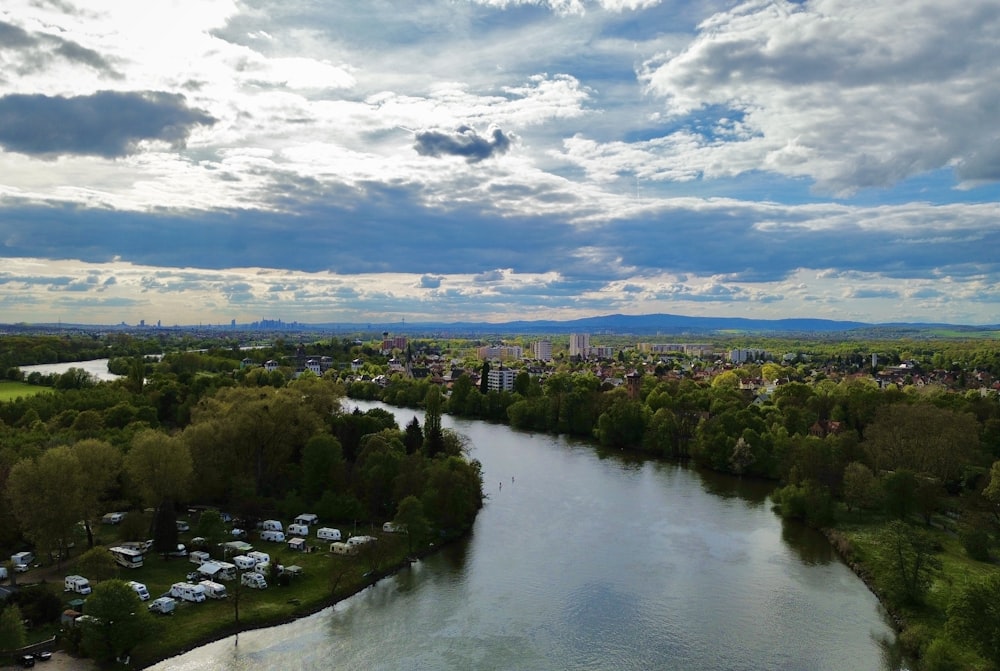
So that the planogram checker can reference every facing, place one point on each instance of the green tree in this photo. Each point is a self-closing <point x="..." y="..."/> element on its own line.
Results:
<point x="410" y="516"/>
<point x="974" y="616"/>
<point x="97" y="564"/>
<point x="45" y="497"/>
<point x="860" y="487"/>
<point x="12" y="631"/>
<point x="908" y="556"/>
<point x="119" y="621"/>
<point x="100" y="464"/>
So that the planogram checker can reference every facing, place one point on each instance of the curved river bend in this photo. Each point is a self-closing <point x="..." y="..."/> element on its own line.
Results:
<point x="583" y="561"/>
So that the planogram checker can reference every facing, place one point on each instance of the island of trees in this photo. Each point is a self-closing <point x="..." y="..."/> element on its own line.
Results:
<point x="896" y="456"/>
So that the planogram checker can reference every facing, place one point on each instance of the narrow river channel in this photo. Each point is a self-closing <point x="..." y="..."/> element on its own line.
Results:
<point x="589" y="561"/>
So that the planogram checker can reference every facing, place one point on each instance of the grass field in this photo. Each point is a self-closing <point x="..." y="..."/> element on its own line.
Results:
<point x="325" y="578"/>
<point x="9" y="390"/>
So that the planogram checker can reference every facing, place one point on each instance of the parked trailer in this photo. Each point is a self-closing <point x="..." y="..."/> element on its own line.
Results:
<point x="186" y="591"/>
<point x="328" y="534"/>
<point x="127" y="557"/>
<point x="213" y="590"/>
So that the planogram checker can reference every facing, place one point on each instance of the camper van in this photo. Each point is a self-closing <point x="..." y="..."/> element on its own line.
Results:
<point x="186" y="591"/>
<point x="127" y="557"/>
<point x="139" y="589"/>
<point x="213" y="590"/>
<point x="306" y="519"/>
<point x="76" y="583"/>
<point x="22" y="561"/>
<point x="328" y="534"/>
<point x="244" y="563"/>
<point x="339" y="548"/>
<point x="253" y="581"/>
<point x="298" y="530"/>
<point x="164" y="605"/>
<point x="113" y="518"/>
<point x="270" y="525"/>
<point x="217" y="570"/>
<point x="198" y="557"/>
<point x="272" y="536"/>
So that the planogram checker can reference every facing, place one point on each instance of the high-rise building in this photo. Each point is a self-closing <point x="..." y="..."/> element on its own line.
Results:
<point x="579" y="344"/>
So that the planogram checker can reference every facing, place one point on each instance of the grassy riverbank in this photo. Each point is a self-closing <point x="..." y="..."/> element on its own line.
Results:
<point x="325" y="579"/>
<point x="922" y="625"/>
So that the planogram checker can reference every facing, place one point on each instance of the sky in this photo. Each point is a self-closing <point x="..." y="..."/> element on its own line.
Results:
<point x="202" y="161"/>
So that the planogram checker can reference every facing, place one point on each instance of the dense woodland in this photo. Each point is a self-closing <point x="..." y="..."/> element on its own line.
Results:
<point x="199" y="427"/>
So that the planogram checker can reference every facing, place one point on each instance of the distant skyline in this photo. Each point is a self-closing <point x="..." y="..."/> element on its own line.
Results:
<point x="498" y="160"/>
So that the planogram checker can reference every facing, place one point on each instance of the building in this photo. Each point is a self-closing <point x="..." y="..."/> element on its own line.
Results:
<point x="501" y="379"/>
<point x="542" y="350"/>
<point x="579" y="344"/>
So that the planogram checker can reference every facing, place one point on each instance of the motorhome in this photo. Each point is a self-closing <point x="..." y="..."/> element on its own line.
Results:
<point x="198" y="557"/>
<point x="127" y="557"/>
<point x="218" y="570"/>
<point x="339" y="548"/>
<point x="186" y="591"/>
<point x="328" y="534"/>
<point x="76" y="583"/>
<point x="164" y="605"/>
<point x="270" y="525"/>
<point x="259" y="557"/>
<point x="253" y="580"/>
<point x="22" y="561"/>
<point x="298" y="530"/>
<point x="213" y="590"/>
<point x="244" y="563"/>
<point x="272" y="536"/>
<point x="139" y="589"/>
<point x="307" y="519"/>
<point x="113" y="518"/>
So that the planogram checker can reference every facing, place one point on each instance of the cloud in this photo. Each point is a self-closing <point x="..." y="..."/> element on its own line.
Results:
<point x="108" y="124"/>
<point x="30" y="52"/>
<point x="851" y="95"/>
<point x="463" y="141"/>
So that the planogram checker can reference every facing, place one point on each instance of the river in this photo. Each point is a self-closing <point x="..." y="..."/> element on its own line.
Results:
<point x="583" y="560"/>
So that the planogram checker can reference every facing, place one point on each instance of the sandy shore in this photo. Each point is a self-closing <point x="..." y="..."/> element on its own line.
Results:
<point x="60" y="661"/>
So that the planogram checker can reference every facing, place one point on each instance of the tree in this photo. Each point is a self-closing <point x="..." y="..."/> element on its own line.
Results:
<point x="861" y="488"/>
<point x="433" y="438"/>
<point x="97" y="564"/>
<point x="907" y="553"/>
<point x="974" y="616"/>
<point x="410" y="516"/>
<point x="119" y="621"/>
<point x="160" y="467"/>
<point x="12" y="631"/>
<point x="100" y="464"/>
<point x="45" y="496"/>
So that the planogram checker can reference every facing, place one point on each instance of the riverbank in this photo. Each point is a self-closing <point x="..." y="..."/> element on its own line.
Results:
<point x="149" y="654"/>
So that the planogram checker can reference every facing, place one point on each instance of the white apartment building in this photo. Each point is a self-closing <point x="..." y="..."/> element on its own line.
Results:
<point x="579" y="344"/>
<point x="501" y="379"/>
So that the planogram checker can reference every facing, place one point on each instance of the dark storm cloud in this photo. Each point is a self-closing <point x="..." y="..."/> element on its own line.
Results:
<point x="463" y="141"/>
<point x="107" y="123"/>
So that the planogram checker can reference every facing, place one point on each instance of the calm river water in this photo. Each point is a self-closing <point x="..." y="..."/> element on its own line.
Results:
<point x="590" y="561"/>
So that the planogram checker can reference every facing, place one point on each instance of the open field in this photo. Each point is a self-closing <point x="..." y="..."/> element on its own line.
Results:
<point x="9" y="390"/>
<point x="325" y="579"/>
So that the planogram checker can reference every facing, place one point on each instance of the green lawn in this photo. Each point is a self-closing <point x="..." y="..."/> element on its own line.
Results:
<point x="9" y="390"/>
<point x="194" y="624"/>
